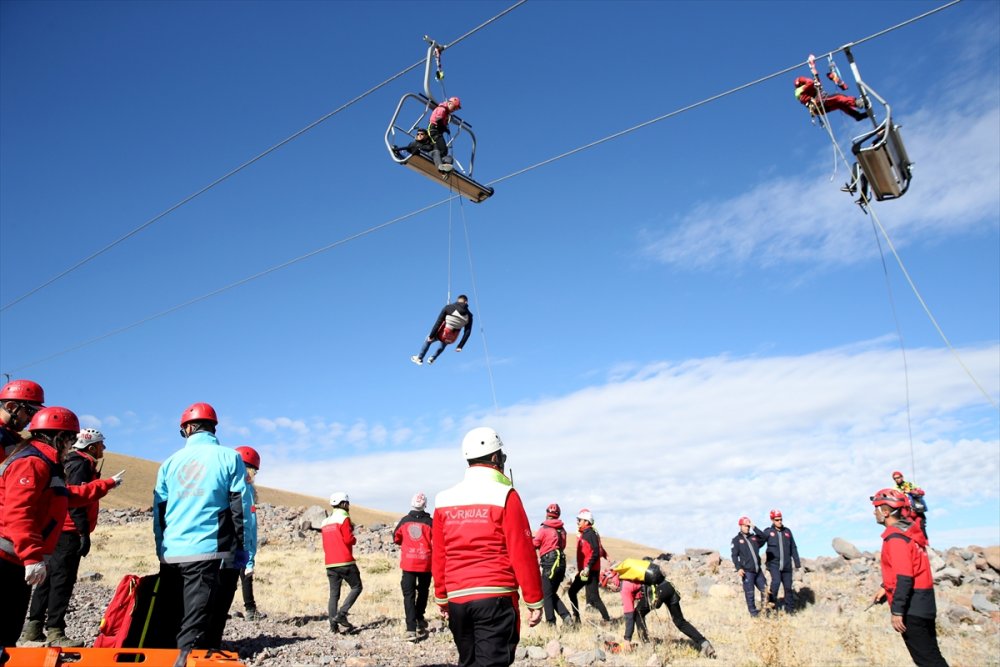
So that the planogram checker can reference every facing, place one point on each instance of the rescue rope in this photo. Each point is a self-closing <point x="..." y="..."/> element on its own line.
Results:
<point x="479" y="308"/>
<point x="233" y="172"/>
<point x="411" y="214"/>
<point x="448" y="300"/>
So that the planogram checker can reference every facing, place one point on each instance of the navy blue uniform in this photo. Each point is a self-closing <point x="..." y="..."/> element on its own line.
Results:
<point x="746" y="557"/>
<point x="781" y="553"/>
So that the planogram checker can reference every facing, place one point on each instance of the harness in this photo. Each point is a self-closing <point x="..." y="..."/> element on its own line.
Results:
<point x="57" y="485"/>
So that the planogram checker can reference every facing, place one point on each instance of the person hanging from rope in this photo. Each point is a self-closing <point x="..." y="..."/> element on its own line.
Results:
<point x="818" y="102"/>
<point x="438" y="127"/>
<point x="453" y="318"/>
<point x="916" y="496"/>
<point x="421" y="144"/>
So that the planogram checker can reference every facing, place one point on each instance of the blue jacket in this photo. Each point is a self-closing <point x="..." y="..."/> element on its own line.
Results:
<point x="781" y="549"/>
<point x="252" y="527"/>
<point x="201" y="503"/>
<point x="746" y="552"/>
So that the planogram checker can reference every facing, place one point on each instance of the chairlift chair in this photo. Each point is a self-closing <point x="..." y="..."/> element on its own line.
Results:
<point x="420" y="106"/>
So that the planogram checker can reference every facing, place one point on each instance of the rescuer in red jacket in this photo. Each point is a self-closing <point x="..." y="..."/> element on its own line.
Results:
<point x="550" y="540"/>
<point x="482" y="555"/>
<point x="34" y="499"/>
<point x="338" y="549"/>
<point x="413" y="535"/>
<point x="589" y="552"/>
<point x="907" y="582"/>
<point x="805" y="92"/>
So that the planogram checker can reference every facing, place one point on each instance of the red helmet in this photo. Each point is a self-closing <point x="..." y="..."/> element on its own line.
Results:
<point x="55" y="419"/>
<point x="892" y="497"/>
<point x="775" y="514"/>
<point x="199" y="412"/>
<point x="457" y="102"/>
<point x="802" y="80"/>
<point x="553" y="511"/>
<point x="22" y="390"/>
<point x="745" y="521"/>
<point x="250" y="456"/>
<point x="896" y="473"/>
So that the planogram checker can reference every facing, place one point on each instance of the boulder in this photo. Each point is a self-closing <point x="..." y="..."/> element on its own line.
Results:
<point x="521" y="652"/>
<point x="980" y="563"/>
<point x="311" y="519"/>
<point x="860" y="568"/>
<point x="957" y="615"/>
<point x="949" y="574"/>
<point x="832" y="565"/>
<point x="713" y="561"/>
<point x="698" y="553"/>
<point x="937" y="562"/>
<point x="992" y="555"/>
<point x="982" y="604"/>
<point x="846" y="549"/>
<point x="553" y="649"/>
<point x="586" y="658"/>
<point x="967" y="554"/>
<point x="537" y="653"/>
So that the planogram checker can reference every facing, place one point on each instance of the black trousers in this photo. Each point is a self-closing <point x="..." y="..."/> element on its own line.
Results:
<point x="351" y="575"/>
<point x="198" y="585"/>
<point x="784" y="580"/>
<point x="415" y="587"/>
<point x="752" y="582"/>
<point x="440" y="144"/>
<point x="50" y="599"/>
<point x="921" y="642"/>
<point x="684" y="625"/>
<point x="552" y="577"/>
<point x="486" y="631"/>
<point x="221" y="602"/>
<point x="593" y="586"/>
<point x="246" y="583"/>
<point x="13" y="609"/>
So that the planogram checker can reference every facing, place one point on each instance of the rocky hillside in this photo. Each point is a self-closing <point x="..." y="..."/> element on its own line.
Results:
<point x="830" y="628"/>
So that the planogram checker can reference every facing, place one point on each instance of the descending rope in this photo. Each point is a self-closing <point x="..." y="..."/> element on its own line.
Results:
<point x="479" y="308"/>
<point x="913" y="286"/>
<point x="233" y="172"/>
<point x="514" y="174"/>
<point x="448" y="300"/>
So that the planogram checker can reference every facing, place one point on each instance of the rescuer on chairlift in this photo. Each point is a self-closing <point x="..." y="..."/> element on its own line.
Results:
<point x="806" y="92"/>
<point x="438" y="127"/>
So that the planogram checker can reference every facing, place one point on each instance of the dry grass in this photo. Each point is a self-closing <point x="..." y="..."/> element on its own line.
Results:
<point x="291" y="580"/>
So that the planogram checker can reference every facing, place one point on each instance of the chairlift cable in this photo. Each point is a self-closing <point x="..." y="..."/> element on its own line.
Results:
<point x="509" y="176"/>
<point x="244" y="165"/>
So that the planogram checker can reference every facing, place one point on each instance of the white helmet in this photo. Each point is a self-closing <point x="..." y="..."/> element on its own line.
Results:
<point x="479" y="442"/>
<point x="586" y="515"/>
<point x="88" y="437"/>
<point x="338" y="497"/>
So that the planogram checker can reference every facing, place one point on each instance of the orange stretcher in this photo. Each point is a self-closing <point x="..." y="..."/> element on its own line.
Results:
<point x="109" y="657"/>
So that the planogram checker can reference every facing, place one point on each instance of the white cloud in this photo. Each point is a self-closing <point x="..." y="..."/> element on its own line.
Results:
<point x="806" y="219"/>
<point x="671" y="454"/>
<point x="90" y="421"/>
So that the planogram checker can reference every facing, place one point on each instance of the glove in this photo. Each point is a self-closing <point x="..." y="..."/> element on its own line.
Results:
<point x="35" y="573"/>
<point x="84" y="545"/>
<point x="240" y="558"/>
<point x="248" y="571"/>
<point x="118" y="478"/>
<point x="584" y="575"/>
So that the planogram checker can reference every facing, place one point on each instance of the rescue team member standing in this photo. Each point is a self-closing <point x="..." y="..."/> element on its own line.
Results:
<point x="746" y="559"/>
<point x="482" y="555"/>
<point x="338" y="548"/>
<point x="230" y="575"/>
<point x="201" y="505"/>
<point x="50" y="600"/>
<point x="34" y="499"/>
<point x="781" y="553"/>
<point x="19" y="401"/>
<point x="413" y="535"/>
<point x="589" y="552"/>
<point x="550" y="540"/>
<point x="907" y="582"/>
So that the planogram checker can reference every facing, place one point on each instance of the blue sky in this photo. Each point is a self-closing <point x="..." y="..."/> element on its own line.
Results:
<point x="686" y="324"/>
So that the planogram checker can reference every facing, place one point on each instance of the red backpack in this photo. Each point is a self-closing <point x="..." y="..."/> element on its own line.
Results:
<point x="136" y="618"/>
<point x="447" y="335"/>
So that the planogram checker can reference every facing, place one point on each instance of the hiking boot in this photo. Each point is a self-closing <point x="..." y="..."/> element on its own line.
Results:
<point x="254" y="615"/>
<point x="569" y="620"/>
<point x="57" y="637"/>
<point x="707" y="650"/>
<point x="445" y="168"/>
<point x="344" y="624"/>
<point x="33" y="632"/>
<point x="417" y="360"/>
<point x="411" y="636"/>
<point x="422" y="625"/>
